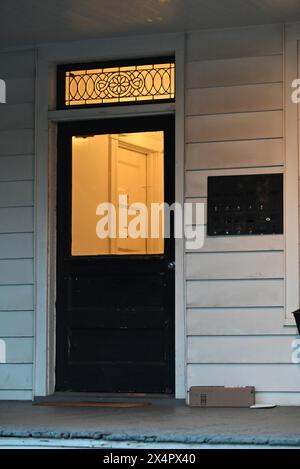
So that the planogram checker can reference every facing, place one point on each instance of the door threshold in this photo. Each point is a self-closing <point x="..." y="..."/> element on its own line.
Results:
<point x="107" y="397"/>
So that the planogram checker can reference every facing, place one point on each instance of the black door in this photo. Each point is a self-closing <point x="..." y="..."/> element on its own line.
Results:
<point x="115" y="294"/>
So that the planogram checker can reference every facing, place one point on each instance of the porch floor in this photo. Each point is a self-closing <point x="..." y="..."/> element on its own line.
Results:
<point x="160" y="422"/>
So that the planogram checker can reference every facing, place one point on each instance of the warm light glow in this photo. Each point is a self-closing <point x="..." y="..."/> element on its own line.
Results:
<point x="125" y="84"/>
<point x="105" y="167"/>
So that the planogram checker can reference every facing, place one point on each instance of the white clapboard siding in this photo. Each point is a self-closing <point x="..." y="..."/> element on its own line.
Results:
<point x="16" y="116"/>
<point x="19" y="90"/>
<point x="265" y="377"/>
<point x="16" y="297"/>
<point x="17" y="223"/>
<point x="239" y="154"/>
<point x="16" y="245"/>
<point x="16" y="220"/>
<point x="235" y="285"/>
<point x="229" y="99"/>
<point x="242" y="349"/>
<point x="196" y="181"/>
<point x="16" y="142"/>
<point x="18" y="349"/>
<point x="238" y="265"/>
<point x="16" y="323"/>
<point x="15" y="395"/>
<point x="278" y="398"/>
<point x="242" y="243"/>
<point x="16" y="376"/>
<point x="234" y="293"/>
<point x="235" y="42"/>
<point x="237" y="321"/>
<point x="19" y="64"/>
<point x="16" y="271"/>
<point x="16" y="168"/>
<point x="237" y="71"/>
<point x="16" y="193"/>
<point x="238" y="126"/>
<point x="196" y="216"/>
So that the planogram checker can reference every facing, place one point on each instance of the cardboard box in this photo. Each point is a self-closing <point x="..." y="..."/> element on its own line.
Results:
<point x="219" y="396"/>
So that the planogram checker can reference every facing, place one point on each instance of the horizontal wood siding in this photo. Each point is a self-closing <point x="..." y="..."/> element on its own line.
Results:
<point x="241" y="243"/>
<point x="234" y="293"/>
<point x="16" y="142"/>
<point x="13" y="395"/>
<point x="18" y="349"/>
<point x="16" y="227"/>
<point x="16" y="245"/>
<point x="16" y="271"/>
<point x="16" y="116"/>
<point x="232" y="43"/>
<point x="242" y="349"/>
<point x="237" y="71"/>
<point x="16" y="168"/>
<point x="237" y="321"/>
<point x="16" y="220"/>
<point x="235" y="285"/>
<point x="265" y="377"/>
<point x="16" y="297"/>
<point x="229" y="99"/>
<point x="20" y="90"/>
<point x="234" y="265"/>
<point x="16" y="193"/>
<point x="16" y="323"/>
<point x="238" y="154"/>
<point x="16" y="376"/>
<point x="240" y="126"/>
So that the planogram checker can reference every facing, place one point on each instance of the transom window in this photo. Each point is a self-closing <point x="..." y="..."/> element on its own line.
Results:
<point x="94" y="84"/>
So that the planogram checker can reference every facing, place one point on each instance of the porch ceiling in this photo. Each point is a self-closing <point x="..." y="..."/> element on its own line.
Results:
<point x="25" y="22"/>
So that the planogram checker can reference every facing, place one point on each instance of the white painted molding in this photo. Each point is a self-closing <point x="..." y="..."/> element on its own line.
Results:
<point x="69" y="115"/>
<point x="180" y="289"/>
<point x="46" y="119"/>
<point x="40" y="371"/>
<point x="291" y="192"/>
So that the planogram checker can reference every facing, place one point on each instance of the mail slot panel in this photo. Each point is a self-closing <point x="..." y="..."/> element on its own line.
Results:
<point x="245" y="205"/>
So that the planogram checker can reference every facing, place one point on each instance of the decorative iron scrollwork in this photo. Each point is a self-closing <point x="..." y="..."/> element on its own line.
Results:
<point x="125" y="84"/>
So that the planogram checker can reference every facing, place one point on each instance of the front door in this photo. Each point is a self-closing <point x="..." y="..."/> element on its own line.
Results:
<point x="115" y="256"/>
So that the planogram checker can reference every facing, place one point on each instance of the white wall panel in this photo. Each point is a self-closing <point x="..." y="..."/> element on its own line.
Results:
<point x="234" y="293"/>
<point x="239" y="126"/>
<point x="230" y="99"/>
<point x="239" y="154"/>
<point x="237" y="321"/>
<point x="237" y="71"/>
<point x="242" y="349"/>
<point x="238" y="265"/>
<point x="269" y="377"/>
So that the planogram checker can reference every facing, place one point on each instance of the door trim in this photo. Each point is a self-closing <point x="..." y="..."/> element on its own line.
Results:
<point x="45" y="183"/>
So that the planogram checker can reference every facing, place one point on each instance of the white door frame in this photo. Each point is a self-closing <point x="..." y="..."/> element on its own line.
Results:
<point x="46" y="119"/>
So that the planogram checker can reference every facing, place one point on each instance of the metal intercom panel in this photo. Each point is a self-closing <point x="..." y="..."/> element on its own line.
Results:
<point x="245" y="205"/>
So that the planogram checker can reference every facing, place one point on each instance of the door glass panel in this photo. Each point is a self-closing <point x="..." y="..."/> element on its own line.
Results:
<point x="118" y="194"/>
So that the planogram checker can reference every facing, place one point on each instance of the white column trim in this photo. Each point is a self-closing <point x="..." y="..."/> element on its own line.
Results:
<point x="291" y="192"/>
